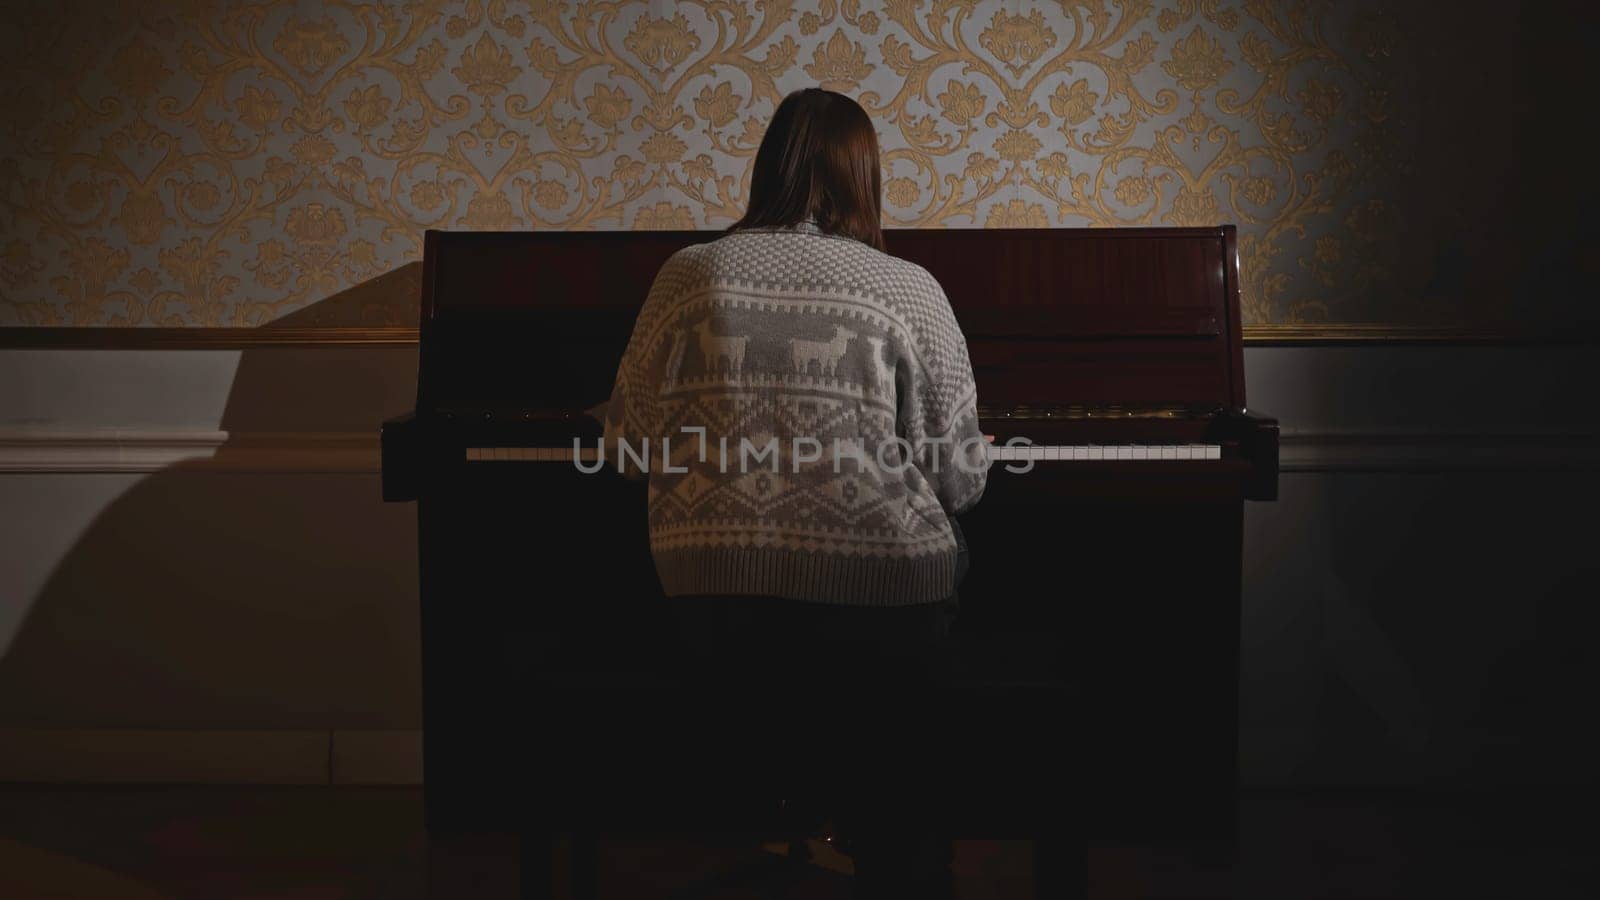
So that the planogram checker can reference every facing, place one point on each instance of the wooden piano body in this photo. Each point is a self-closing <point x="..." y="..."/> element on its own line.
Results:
<point x="1118" y="575"/>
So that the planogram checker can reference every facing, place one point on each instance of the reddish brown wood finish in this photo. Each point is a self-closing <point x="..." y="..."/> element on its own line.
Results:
<point x="1126" y="315"/>
<point x="1118" y="580"/>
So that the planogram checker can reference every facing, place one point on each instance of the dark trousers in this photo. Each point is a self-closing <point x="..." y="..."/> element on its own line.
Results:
<point x="849" y="699"/>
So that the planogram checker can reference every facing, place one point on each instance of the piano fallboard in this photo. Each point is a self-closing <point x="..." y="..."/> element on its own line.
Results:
<point x="1100" y="315"/>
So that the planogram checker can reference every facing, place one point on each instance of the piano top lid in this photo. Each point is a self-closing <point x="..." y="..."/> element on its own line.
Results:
<point x="1052" y="316"/>
<point x="1104" y="411"/>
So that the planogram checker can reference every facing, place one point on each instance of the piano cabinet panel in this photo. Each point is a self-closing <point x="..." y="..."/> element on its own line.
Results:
<point x="1050" y="489"/>
<point x="1021" y="371"/>
<point x="1137" y="599"/>
<point x="1130" y="600"/>
<point x="1123" y="314"/>
<point x="1038" y="267"/>
<point x="527" y="570"/>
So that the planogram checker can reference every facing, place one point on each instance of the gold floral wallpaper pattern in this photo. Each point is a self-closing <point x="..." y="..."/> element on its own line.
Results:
<point x="223" y="163"/>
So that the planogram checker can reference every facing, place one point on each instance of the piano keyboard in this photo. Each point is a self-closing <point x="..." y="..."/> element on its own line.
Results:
<point x="1035" y="453"/>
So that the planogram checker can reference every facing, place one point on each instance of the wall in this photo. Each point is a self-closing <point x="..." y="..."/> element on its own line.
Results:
<point x="226" y="164"/>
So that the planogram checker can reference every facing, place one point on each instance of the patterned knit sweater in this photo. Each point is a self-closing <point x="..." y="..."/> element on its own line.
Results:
<point x="839" y="421"/>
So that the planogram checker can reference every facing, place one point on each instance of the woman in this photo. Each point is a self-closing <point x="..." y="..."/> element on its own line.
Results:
<point x="806" y="410"/>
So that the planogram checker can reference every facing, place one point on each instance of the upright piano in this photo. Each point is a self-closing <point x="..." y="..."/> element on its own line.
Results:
<point x="1105" y="552"/>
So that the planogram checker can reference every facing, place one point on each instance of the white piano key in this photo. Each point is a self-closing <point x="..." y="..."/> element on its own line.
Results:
<point x="1052" y="454"/>
<point x="1169" y="452"/>
<point x="1097" y="452"/>
<point x="1213" y="451"/>
<point x="1036" y="452"/>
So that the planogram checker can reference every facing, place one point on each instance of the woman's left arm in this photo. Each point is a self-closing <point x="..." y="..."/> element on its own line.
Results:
<point x="632" y="415"/>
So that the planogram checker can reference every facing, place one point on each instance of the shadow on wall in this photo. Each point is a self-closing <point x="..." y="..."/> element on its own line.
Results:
<point x="267" y="588"/>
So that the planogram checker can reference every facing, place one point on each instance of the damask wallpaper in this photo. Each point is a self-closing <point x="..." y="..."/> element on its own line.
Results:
<point x="225" y="163"/>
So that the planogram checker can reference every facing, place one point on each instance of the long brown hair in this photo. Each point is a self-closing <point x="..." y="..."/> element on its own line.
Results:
<point x="818" y="160"/>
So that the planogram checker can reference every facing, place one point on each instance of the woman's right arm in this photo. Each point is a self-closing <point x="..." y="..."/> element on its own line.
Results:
<point x="939" y="408"/>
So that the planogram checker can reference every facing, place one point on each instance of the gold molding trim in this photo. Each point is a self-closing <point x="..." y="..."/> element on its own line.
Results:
<point x="70" y="338"/>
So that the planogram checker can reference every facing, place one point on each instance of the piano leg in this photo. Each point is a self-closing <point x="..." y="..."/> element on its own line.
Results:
<point x="1060" y="867"/>
<point x="585" y="866"/>
<point x="538" y="873"/>
<point x="482" y="864"/>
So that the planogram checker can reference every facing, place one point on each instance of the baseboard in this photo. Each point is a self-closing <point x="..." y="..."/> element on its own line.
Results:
<point x="174" y="756"/>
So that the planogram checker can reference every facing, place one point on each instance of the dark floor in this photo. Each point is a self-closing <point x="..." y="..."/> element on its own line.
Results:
<point x="334" y="844"/>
